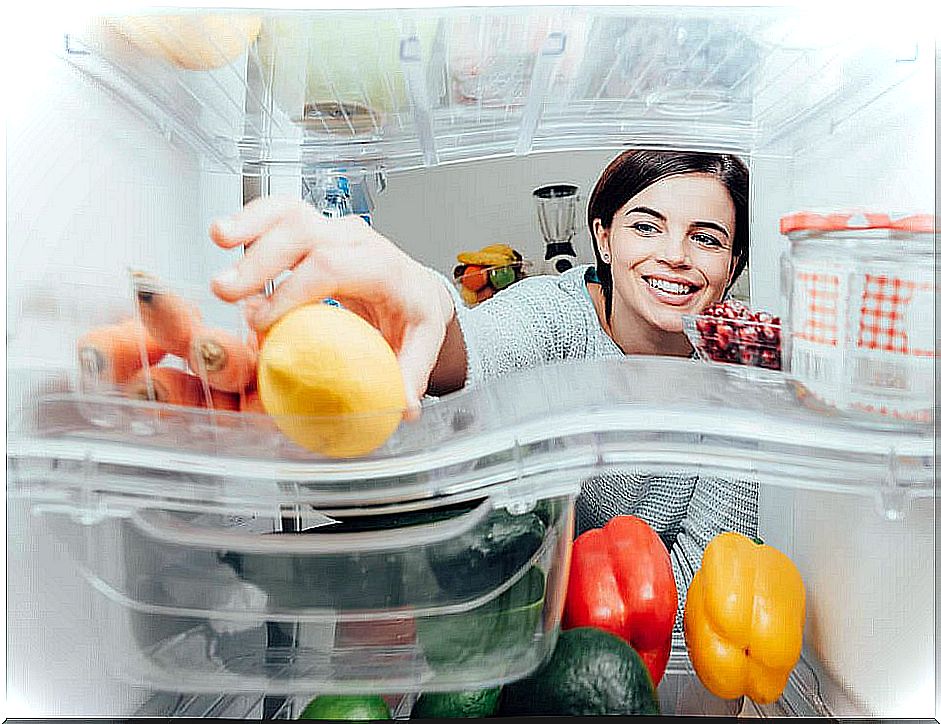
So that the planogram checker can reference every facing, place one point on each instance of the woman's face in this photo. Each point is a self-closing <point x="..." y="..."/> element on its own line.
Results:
<point x="670" y="248"/>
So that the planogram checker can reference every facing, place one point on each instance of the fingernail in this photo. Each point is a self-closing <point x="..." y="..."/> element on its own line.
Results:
<point x="227" y="278"/>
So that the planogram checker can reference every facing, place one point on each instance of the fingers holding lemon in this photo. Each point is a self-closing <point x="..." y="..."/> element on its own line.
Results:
<point x="330" y="381"/>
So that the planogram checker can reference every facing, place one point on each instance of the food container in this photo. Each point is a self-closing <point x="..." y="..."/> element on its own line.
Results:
<point x="338" y="74"/>
<point x="744" y="341"/>
<point x="479" y="283"/>
<point x="861" y="292"/>
<point x="445" y="597"/>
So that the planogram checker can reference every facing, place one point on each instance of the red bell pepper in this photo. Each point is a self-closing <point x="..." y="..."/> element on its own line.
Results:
<point x="621" y="581"/>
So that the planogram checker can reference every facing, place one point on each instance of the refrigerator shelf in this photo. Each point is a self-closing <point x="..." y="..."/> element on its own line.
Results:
<point x="542" y="429"/>
<point x="680" y="694"/>
<point x="408" y="89"/>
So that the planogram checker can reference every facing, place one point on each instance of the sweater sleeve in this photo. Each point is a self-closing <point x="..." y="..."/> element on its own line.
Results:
<point x="527" y="324"/>
<point x="717" y="505"/>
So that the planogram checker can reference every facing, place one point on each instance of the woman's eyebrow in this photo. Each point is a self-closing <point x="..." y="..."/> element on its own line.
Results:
<point x="647" y="210"/>
<point x="711" y="225"/>
<point x="699" y="224"/>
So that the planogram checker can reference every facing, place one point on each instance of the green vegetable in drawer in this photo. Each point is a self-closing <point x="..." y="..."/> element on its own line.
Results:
<point x="345" y="580"/>
<point x="503" y="625"/>
<point x="488" y="555"/>
<point x="347" y="708"/>
<point x="475" y="704"/>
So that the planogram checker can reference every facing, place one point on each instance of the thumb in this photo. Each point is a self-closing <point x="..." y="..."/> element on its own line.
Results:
<point x="417" y="357"/>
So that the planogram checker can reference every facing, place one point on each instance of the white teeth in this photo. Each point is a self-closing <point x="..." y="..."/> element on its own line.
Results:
<point x="671" y="287"/>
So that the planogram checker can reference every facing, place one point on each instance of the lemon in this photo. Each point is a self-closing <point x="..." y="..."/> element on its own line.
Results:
<point x="330" y="381"/>
<point x="194" y="41"/>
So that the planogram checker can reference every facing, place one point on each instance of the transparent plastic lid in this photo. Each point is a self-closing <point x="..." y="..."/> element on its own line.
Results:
<point x="519" y="438"/>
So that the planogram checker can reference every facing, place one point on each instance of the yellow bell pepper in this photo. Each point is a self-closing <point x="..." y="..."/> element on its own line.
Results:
<point x="744" y="619"/>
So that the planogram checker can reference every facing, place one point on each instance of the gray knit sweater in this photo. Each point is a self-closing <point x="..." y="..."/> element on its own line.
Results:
<point x="547" y="319"/>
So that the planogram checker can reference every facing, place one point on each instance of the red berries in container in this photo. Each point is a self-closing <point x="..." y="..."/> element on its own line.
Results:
<point x="731" y="332"/>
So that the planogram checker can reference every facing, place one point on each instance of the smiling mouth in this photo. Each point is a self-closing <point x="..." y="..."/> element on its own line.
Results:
<point x="679" y="289"/>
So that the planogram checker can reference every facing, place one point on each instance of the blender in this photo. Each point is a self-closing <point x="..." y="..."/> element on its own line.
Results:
<point x="555" y="210"/>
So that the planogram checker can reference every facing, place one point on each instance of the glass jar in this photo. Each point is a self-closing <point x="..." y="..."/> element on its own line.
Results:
<point x="861" y="292"/>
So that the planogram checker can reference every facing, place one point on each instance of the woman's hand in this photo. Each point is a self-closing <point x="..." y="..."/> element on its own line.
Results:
<point x="340" y="258"/>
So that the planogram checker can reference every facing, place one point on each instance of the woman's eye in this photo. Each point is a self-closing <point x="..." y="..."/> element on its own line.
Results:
<point x="644" y="228"/>
<point x="707" y="240"/>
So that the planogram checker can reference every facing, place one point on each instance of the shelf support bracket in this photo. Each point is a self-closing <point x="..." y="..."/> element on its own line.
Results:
<point x="552" y="50"/>
<point x="894" y="501"/>
<point x="410" y="58"/>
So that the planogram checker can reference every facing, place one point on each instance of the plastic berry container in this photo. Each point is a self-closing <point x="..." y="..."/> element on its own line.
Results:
<point x="731" y="333"/>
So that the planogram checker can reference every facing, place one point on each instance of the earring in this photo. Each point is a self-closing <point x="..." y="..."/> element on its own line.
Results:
<point x="605" y="258"/>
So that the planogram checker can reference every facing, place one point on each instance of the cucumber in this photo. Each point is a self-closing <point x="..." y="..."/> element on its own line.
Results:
<point x="484" y="558"/>
<point x="503" y="627"/>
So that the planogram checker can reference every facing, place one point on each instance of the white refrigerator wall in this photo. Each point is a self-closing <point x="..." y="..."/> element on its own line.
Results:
<point x="871" y="579"/>
<point x="94" y="189"/>
<point x="436" y="213"/>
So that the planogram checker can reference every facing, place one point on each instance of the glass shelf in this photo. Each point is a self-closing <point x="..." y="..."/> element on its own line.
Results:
<point x="406" y="89"/>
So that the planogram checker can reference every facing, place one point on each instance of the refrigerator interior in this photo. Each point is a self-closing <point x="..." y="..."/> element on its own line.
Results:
<point x="120" y="160"/>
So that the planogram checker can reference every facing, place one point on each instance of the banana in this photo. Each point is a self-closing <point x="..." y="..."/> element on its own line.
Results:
<point x="484" y="258"/>
<point x="492" y="255"/>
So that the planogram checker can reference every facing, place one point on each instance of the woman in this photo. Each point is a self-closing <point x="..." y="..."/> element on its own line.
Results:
<point x="670" y="236"/>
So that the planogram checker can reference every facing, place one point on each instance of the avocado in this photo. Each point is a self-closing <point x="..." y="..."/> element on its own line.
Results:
<point x="457" y="704"/>
<point x="590" y="673"/>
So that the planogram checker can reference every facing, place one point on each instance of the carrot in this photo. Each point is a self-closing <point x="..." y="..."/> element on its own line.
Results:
<point x="222" y="359"/>
<point x="169" y="318"/>
<point x="170" y="387"/>
<point x="225" y="401"/>
<point x="251" y="403"/>
<point x="112" y="354"/>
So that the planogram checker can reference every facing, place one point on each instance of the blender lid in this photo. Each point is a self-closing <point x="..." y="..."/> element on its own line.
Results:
<point x="857" y="221"/>
<point x="555" y="191"/>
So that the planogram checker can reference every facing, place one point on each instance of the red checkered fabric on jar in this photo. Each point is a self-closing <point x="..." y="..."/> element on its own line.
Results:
<point x="884" y="314"/>
<point x="822" y="295"/>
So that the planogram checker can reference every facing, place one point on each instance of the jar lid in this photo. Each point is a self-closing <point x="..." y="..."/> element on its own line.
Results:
<point x="857" y="221"/>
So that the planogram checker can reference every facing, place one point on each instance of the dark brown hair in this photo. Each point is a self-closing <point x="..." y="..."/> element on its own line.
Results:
<point x="633" y="171"/>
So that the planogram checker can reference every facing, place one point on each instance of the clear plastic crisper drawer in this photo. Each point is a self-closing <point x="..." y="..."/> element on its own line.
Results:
<point x="455" y="596"/>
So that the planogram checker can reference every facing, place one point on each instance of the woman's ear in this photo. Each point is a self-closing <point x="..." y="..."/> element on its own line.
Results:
<point x="602" y="238"/>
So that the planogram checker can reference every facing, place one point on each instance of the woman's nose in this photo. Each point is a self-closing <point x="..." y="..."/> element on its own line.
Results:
<point x="674" y="251"/>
